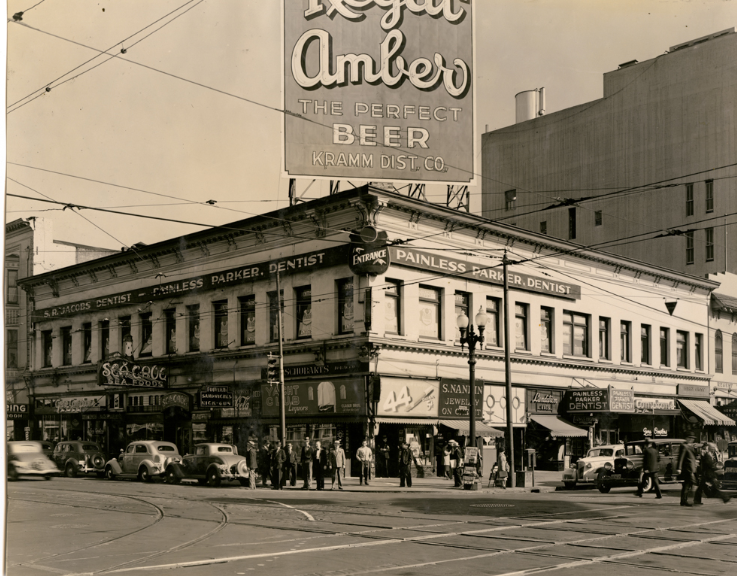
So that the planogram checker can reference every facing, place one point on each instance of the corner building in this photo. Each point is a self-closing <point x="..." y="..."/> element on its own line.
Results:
<point x="171" y="340"/>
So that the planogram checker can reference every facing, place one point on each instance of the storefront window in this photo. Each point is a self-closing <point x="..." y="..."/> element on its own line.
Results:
<point x="462" y="301"/>
<point x="274" y="316"/>
<point x="304" y="312"/>
<point x="546" y="329"/>
<point x="105" y="339"/>
<point x="664" y="346"/>
<point x="604" y="339"/>
<point x="199" y="432"/>
<point x="491" y="335"/>
<point x="87" y="342"/>
<point x="645" y="344"/>
<point x="521" y="326"/>
<point x="247" y="305"/>
<point x="171" y="331"/>
<point x="66" y="346"/>
<point x="147" y="332"/>
<point x="193" y="319"/>
<point x="324" y="433"/>
<point x="221" y="324"/>
<point x="145" y="431"/>
<point x="429" y="312"/>
<point x="46" y="343"/>
<point x="681" y="349"/>
<point x="345" y="306"/>
<point x="392" y="314"/>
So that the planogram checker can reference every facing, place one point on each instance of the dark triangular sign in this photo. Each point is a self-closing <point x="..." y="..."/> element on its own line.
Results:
<point x="671" y="306"/>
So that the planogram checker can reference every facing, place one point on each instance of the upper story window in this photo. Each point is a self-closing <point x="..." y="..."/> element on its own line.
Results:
<point x="126" y="338"/>
<point x="274" y="316"/>
<point x="493" y="310"/>
<point x="193" y="328"/>
<point x="572" y="223"/>
<point x="510" y="199"/>
<point x="304" y="311"/>
<point x="689" y="247"/>
<point x="66" y="346"/>
<point x="604" y="349"/>
<point x="247" y="306"/>
<point x="220" y="308"/>
<point x="462" y="302"/>
<point x="521" y="325"/>
<point x="681" y="349"/>
<point x="105" y="339"/>
<point x="689" y="199"/>
<point x="392" y="314"/>
<point x="709" y="244"/>
<point x="12" y="348"/>
<point x="147" y="334"/>
<point x="12" y="287"/>
<point x="598" y="218"/>
<point x="645" y="344"/>
<point x="46" y="341"/>
<point x="575" y="334"/>
<point x="170" y="318"/>
<point x="345" y="306"/>
<point x="429" y="312"/>
<point x="546" y="329"/>
<point x="718" y="352"/>
<point x="544" y="227"/>
<point x="709" y="195"/>
<point x="699" y="351"/>
<point x="87" y="342"/>
<point x="664" y="347"/>
<point x="625" y="332"/>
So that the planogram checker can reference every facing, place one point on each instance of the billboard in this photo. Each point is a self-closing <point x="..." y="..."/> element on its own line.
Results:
<point x="379" y="90"/>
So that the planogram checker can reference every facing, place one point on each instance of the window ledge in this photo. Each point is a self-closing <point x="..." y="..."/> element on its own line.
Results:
<point x="396" y="336"/>
<point x="492" y="347"/>
<point x="428" y="339"/>
<point x="578" y="358"/>
<point x="344" y="335"/>
<point x="526" y="352"/>
<point x="682" y="369"/>
<point x="605" y="361"/>
<point x="664" y="367"/>
<point x="626" y="363"/>
<point x="548" y="354"/>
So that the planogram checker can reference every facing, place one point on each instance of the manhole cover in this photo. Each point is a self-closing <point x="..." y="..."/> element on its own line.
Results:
<point x="492" y="505"/>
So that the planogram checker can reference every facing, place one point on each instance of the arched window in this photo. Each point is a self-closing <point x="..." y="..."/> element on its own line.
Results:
<point x="718" y="352"/>
<point x="734" y="353"/>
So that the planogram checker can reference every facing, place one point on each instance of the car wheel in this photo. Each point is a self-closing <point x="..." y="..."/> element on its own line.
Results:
<point x="569" y="485"/>
<point x="12" y="473"/>
<point x="143" y="474"/>
<point x="109" y="474"/>
<point x="604" y="489"/>
<point x="213" y="478"/>
<point x="171" y="476"/>
<point x="70" y="471"/>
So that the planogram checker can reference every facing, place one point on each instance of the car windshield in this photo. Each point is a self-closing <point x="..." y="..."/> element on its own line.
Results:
<point x="164" y="448"/>
<point x="632" y="449"/>
<point x="90" y="448"/>
<point x="225" y="449"/>
<point x="596" y="452"/>
<point x="24" y="448"/>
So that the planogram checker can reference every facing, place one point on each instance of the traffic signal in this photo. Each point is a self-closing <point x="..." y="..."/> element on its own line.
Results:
<point x="272" y="369"/>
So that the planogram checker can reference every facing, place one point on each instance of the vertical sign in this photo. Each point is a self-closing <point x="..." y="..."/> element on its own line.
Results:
<point x="379" y="90"/>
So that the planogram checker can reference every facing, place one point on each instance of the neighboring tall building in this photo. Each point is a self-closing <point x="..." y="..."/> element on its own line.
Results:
<point x="657" y="152"/>
<point x="30" y="249"/>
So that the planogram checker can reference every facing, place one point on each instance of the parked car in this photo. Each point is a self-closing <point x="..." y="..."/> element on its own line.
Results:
<point x="626" y="469"/>
<point x="79" y="457"/>
<point x="729" y="479"/>
<point x="587" y="469"/>
<point x="210" y="464"/>
<point x="26" y="458"/>
<point x="143" y="459"/>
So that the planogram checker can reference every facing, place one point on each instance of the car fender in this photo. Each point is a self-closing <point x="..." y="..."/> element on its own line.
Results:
<point x="149" y="464"/>
<point x="213" y="466"/>
<point x="73" y="461"/>
<point x="178" y="469"/>
<point x="115" y="465"/>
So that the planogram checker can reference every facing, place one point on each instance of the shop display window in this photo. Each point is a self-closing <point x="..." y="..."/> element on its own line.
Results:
<point x="199" y="432"/>
<point x="145" y="431"/>
<point x="247" y="307"/>
<point x="345" y="306"/>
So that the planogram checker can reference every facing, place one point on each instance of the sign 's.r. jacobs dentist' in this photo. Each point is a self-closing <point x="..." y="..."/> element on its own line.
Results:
<point x="379" y="89"/>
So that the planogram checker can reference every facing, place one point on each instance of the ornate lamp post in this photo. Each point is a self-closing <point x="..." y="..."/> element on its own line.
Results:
<point x="468" y="336"/>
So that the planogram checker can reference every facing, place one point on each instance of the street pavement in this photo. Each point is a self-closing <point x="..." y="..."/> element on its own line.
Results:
<point x="90" y="526"/>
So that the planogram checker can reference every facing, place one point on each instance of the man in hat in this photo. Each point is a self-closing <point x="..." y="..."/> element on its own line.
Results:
<point x="339" y="463"/>
<point x="708" y="467"/>
<point x="406" y="457"/>
<point x="319" y="464"/>
<point x="686" y="469"/>
<point x="264" y="463"/>
<point x="306" y="461"/>
<point x="650" y="459"/>
<point x="252" y="457"/>
<point x="364" y="456"/>
<point x="290" y="467"/>
<point x="456" y="459"/>
<point x="383" y="453"/>
<point x="278" y="457"/>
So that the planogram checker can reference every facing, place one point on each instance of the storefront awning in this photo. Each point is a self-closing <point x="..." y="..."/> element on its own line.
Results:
<point x="706" y="412"/>
<point x="462" y="426"/>
<point x="558" y="426"/>
<point x="415" y="421"/>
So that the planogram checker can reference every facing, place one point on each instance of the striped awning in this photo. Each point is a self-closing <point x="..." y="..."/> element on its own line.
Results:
<point x="415" y="421"/>
<point x="462" y="427"/>
<point x="558" y="426"/>
<point x="706" y="412"/>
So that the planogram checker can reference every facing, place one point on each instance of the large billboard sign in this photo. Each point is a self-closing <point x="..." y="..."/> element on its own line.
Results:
<point x="379" y="89"/>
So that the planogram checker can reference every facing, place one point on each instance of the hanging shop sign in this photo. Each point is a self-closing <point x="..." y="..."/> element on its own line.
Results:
<point x="203" y="416"/>
<point x="543" y="401"/>
<point x="216" y="397"/>
<point x="121" y="372"/>
<point x="455" y="398"/>
<point x="599" y="400"/>
<point x="202" y="283"/>
<point x="488" y="273"/>
<point x="328" y="369"/>
<point x="693" y="390"/>
<point x="408" y="398"/>
<point x="379" y="90"/>
<point x="175" y="400"/>
<point x="315" y="398"/>
<point x="70" y="405"/>
<point x="17" y="411"/>
<point x="655" y="405"/>
<point x="495" y="405"/>
<point x="369" y="252"/>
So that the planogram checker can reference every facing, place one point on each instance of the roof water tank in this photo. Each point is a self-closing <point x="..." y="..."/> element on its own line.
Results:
<point x="526" y="105"/>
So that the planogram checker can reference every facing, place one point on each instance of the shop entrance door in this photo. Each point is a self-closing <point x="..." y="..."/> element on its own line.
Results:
<point x="178" y="429"/>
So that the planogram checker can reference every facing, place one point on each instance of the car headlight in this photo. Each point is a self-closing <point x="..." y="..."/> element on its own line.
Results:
<point x="588" y="466"/>
<point x="630" y="465"/>
<point x="608" y="466"/>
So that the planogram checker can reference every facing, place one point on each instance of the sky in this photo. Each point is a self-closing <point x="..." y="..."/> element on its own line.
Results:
<point x="202" y="126"/>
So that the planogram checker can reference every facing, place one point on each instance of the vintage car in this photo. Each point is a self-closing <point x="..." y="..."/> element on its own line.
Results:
<point x="143" y="459"/>
<point x="210" y="464"/>
<point x="79" y="457"/>
<point x="587" y="469"/>
<point x="729" y="479"/>
<point x="26" y="458"/>
<point x="626" y="469"/>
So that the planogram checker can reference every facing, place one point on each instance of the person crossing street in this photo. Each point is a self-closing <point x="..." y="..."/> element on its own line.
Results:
<point x="364" y="456"/>
<point x="686" y="470"/>
<point x="650" y="459"/>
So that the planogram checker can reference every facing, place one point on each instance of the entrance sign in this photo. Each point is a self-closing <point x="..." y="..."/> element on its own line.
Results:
<point x="379" y="90"/>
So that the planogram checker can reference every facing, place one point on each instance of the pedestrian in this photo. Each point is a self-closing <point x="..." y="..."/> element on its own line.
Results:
<point x="708" y="481"/>
<point x="446" y="462"/>
<point x="686" y="470"/>
<point x="406" y="457"/>
<point x="339" y="463"/>
<point x="319" y="459"/>
<point x="364" y="457"/>
<point x="383" y="455"/>
<point x="252" y="457"/>
<point x="290" y="467"/>
<point x="306" y="461"/>
<point x="278" y="457"/>
<point x="502" y="468"/>
<point x="456" y="462"/>
<point x="330" y="465"/>
<point x="264" y="463"/>
<point x="650" y="459"/>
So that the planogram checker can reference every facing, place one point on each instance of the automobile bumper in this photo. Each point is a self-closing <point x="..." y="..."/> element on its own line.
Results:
<point x="90" y="470"/>
<point x="614" y="480"/>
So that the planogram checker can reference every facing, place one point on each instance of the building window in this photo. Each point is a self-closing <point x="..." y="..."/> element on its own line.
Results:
<point x="147" y="335"/>
<point x="126" y="339"/>
<point x="345" y="306"/>
<point x="274" y="316"/>
<point x="170" y="317"/>
<point x="575" y="334"/>
<point x="546" y="329"/>
<point x="604" y="352"/>
<point x="220" y="308"/>
<point x="510" y="199"/>
<point x="66" y="346"/>
<point x="12" y="297"/>
<point x="734" y="353"/>
<point x="105" y="339"/>
<point x="429" y="312"/>
<point x="624" y="341"/>
<point x="520" y="324"/>
<point x="698" y="351"/>
<point x="491" y="335"/>
<point x="304" y="312"/>
<point x="689" y="247"/>
<point x="12" y="348"/>
<point x="247" y="305"/>
<point x="46" y="341"/>
<point x="544" y="227"/>
<point x="709" y="244"/>
<point x="87" y="342"/>
<point x="718" y="352"/>
<point x="193" y="318"/>
<point x="571" y="223"/>
<point x="664" y="347"/>
<point x="709" y="195"/>
<point x="597" y="218"/>
<point x="462" y="300"/>
<point x="689" y="199"/>
<point x="681" y="349"/>
<point x="392" y="314"/>
<point x="645" y="344"/>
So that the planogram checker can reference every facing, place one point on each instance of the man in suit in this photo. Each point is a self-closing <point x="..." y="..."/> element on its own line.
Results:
<point x="364" y="456"/>
<point x="339" y="463"/>
<point x="456" y="463"/>
<point x="306" y="461"/>
<point x="319" y="459"/>
<point x="708" y="467"/>
<point x="264" y="463"/>
<point x="383" y="454"/>
<point x="406" y="457"/>
<point x="290" y="467"/>
<point x="278" y="457"/>
<point x="650" y="459"/>
<point x="686" y="469"/>
<point x="252" y="457"/>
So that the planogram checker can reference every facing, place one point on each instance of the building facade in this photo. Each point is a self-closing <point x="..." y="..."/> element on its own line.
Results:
<point x="172" y="341"/>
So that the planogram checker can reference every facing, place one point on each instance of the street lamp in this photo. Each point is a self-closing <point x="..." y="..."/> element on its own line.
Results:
<point x="468" y="336"/>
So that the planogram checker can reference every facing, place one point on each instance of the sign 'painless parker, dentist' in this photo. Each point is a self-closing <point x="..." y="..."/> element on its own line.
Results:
<point x="379" y="89"/>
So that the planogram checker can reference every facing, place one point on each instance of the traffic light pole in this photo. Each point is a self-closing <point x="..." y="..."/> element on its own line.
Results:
<point x="282" y="399"/>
